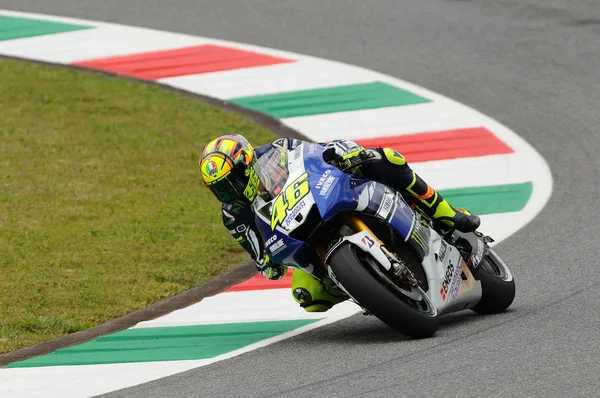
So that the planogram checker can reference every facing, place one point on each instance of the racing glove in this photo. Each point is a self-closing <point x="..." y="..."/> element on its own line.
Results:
<point x="343" y="153"/>
<point x="269" y="269"/>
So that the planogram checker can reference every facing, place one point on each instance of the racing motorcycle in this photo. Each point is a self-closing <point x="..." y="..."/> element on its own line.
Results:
<point x="362" y="237"/>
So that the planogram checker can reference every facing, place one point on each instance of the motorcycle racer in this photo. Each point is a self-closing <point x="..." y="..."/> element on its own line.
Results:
<point x="227" y="168"/>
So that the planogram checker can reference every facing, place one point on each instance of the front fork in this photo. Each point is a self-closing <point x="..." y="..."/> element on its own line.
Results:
<point x="358" y="232"/>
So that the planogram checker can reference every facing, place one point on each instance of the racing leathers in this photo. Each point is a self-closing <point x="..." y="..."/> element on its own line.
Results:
<point x="386" y="166"/>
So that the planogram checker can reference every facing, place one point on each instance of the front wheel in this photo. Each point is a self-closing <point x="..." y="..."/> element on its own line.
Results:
<point x="404" y="308"/>
<point x="497" y="285"/>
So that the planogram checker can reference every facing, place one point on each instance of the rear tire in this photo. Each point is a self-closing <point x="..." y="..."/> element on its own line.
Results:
<point x="497" y="285"/>
<point x="367" y="282"/>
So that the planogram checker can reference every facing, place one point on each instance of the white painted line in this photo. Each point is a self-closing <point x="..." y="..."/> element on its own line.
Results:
<point x="384" y="122"/>
<point x="143" y="31"/>
<point x="94" y="43"/>
<point x="473" y="172"/>
<point x="243" y="306"/>
<point x="300" y="75"/>
<point x="88" y="380"/>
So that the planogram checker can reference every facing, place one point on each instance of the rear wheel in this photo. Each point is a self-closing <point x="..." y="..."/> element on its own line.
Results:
<point x="497" y="285"/>
<point x="402" y="307"/>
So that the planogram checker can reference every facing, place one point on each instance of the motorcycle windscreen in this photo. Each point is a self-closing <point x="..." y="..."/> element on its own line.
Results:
<point x="272" y="171"/>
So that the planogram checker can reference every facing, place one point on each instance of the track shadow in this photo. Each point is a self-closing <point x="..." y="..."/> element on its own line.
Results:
<point x="361" y="329"/>
<point x="458" y="318"/>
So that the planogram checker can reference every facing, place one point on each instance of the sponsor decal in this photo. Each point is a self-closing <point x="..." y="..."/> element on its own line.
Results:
<point x="322" y="179"/>
<point x="450" y="271"/>
<point x="293" y="213"/>
<point x="238" y="230"/>
<point x="477" y="258"/>
<point x="453" y="293"/>
<point x="417" y="238"/>
<point x="386" y="206"/>
<point x="211" y="168"/>
<point x="443" y="251"/>
<point x="325" y="182"/>
<point x="252" y="187"/>
<point x="277" y="246"/>
<point x="271" y="240"/>
<point x="367" y="241"/>
<point x="280" y="143"/>
<point x="326" y="185"/>
<point x="237" y="207"/>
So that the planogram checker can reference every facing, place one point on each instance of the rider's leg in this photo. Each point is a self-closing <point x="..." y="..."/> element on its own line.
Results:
<point x="312" y="294"/>
<point x="391" y="168"/>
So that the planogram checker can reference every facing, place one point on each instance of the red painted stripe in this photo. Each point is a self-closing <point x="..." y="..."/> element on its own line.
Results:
<point x="442" y="145"/>
<point x="259" y="282"/>
<point x="182" y="61"/>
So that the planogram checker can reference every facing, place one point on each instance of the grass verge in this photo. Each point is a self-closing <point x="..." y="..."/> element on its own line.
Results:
<point x="101" y="207"/>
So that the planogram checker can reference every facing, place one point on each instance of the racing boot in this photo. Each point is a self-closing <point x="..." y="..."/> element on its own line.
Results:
<point x="438" y="208"/>
<point x="391" y="168"/>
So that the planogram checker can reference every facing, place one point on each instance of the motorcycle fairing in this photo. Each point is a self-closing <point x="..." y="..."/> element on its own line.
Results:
<point x="331" y="191"/>
<point x="451" y="282"/>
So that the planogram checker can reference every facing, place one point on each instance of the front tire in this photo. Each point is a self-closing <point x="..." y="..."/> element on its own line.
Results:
<point x="370" y="285"/>
<point x="497" y="285"/>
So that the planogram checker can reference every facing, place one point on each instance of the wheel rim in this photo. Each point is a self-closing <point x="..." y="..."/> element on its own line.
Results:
<point x="495" y="266"/>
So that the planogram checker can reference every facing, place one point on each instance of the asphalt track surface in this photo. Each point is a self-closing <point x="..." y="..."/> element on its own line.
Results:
<point x="532" y="65"/>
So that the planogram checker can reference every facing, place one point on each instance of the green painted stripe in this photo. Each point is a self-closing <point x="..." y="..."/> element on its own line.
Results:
<point x="330" y="100"/>
<point x="492" y="199"/>
<point x="17" y="28"/>
<point x="165" y="343"/>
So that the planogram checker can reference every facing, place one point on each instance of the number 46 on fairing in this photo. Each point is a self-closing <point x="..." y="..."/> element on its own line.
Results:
<point x="288" y="199"/>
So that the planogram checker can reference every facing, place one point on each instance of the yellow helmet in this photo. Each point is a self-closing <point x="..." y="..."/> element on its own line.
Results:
<point x="226" y="167"/>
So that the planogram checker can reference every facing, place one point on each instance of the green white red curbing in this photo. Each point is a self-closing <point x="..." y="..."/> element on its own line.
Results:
<point x="474" y="160"/>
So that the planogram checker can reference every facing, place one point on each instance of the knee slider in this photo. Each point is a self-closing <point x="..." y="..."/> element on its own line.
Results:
<point x="317" y="308"/>
<point x="304" y="298"/>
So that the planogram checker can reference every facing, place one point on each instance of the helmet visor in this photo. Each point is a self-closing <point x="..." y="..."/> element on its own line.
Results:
<point x="231" y="187"/>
